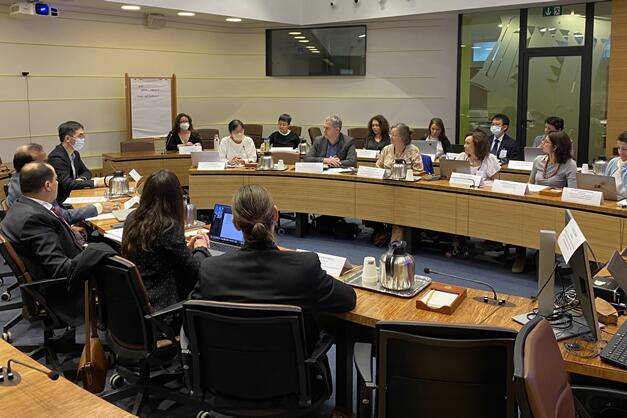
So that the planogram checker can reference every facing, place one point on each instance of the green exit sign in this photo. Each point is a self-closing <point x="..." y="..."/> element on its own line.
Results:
<point x="552" y="11"/>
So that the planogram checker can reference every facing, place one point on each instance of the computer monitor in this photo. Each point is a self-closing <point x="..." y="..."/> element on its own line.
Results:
<point x="546" y="273"/>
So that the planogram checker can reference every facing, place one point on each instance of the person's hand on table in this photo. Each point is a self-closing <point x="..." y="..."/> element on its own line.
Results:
<point x="109" y="206"/>
<point x="332" y="161"/>
<point x="201" y="239"/>
<point x="236" y="161"/>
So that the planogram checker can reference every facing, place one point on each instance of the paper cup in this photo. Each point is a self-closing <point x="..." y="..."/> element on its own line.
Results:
<point x="369" y="271"/>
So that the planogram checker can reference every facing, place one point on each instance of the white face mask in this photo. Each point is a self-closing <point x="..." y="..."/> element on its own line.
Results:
<point x="184" y="126"/>
<point x="79" y="143"/>
<point x="495" y="129"/>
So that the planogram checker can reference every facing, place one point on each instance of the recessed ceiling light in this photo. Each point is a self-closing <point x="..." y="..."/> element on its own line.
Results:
<point x="233" y="19"/>
<point x="294" y="33"/>
<point x="315" y="52"/>
<point x="303" y="41"/>
<point x="363" y="35"/>
<point x="500" y="25"/>
<point x="310" y="47"/>
<point x="300" y="37"/>
<point x="131" y="7"/>
<point x="189" y="14"/>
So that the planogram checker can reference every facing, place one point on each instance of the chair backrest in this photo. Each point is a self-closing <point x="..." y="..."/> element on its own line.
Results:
<point x="123" y="303"/>
<point x="421" y="364"/>
<point x="255" y="131"/>
<point x="17" y="266"/>
<point x="289" y="158"/>
<point x="314" y="132"/>
<point x="248" y="352"/>
<point x="206" y="137"/>
<point x="418" y="133"/>
<point x="137" y="145"/>
<point x="540" y="379"/>
<point x="427" y="164"/>
<point x="457" y="148"/>
<point x="296" y="129"/>
<point x="360" y="136"/>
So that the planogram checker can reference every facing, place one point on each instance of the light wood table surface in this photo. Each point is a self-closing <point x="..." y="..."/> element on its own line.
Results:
<point x="38" y="396"/>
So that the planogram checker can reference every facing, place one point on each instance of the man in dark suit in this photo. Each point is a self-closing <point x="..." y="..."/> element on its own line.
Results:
<point x="333" y="147"/>
<point x="66" y="160"/>
<point x="40" y="236"/>
<point x="503" y="146"/>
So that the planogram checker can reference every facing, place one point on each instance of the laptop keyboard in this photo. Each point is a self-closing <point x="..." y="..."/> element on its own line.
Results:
<point x="224" y="248"/>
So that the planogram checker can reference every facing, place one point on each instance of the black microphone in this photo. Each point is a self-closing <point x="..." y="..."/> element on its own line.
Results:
<point x="485" y="299"/>
<point x="9" y="374"/>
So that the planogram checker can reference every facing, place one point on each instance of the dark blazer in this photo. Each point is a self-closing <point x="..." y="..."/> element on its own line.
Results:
<point x="173" y="139"/>
<point x="345" y="150"/>
<point x="446" y="144"/>
<point x="42" y="240"/>
<point x="279" y="140"/>
<point x="508" y="144"/>
<point x="60" y="160"/>
<point x="71" y="216"/>
<point x="170" y="271"/>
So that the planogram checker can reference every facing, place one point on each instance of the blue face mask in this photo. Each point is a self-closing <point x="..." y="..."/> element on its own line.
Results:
<point x="79" y="143"/>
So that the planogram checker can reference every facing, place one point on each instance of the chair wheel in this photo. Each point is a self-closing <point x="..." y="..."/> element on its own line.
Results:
<point x="204" y="414"/>
<point x="281" y="231"/>
<point x="5" y="296"/>
<point x="6" y="336"/>
<point x="116" y="381"/>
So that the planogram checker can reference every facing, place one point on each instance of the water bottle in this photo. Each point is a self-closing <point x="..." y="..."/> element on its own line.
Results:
<point x="216" y="141"/>
<point x="190" y="215"/>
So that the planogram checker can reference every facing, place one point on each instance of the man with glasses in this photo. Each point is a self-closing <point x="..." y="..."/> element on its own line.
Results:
<point x="66" y="160"/>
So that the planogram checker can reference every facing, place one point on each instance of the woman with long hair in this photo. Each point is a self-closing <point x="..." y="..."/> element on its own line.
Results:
<point x="182" y="133"/>
<point x="437" y="132"/>
<point x="556" y="168"/>
<point x="477" y="152"/>
<point x="378" y="133"/>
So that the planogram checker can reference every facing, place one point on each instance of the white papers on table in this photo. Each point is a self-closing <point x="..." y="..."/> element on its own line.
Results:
<point x="436" y="298"/>
<point x="188" y="149"/>
<point x="131" y="202"/>
<point x="520" y="165"/>
<point x="115" y="234"/>
<point x="570" y="239"/>
<point x="90" y="199"/>
<point x="284" y="149"/>
<point x="316" y="168"/>
<point x="464" y="179"/>
<point x="101" y="217"/>
<point x="370" y="172"/>
<point x="367" y="153"/>
<point x="509" y="187"/>
<point x="622" y="203"/>
<point x="535" y="188"/>
<point x="211" y="165"/>
<point x="195" y="231"/>
<point x="332" y="264"/>
<point x="337" y="170"/>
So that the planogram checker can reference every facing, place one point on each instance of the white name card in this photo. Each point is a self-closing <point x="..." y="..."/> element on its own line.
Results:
<point x="585" y="197"/>
<point x="188" y="149"/>
<point x="367" y="153"/>
<point x="535" y="188"/>
<point x="570" y="239"/>
<point x="371" y="172"/>
<point x="509" y="187"/>
<point x="317" y="168"/>
<point x="463" y="179"/>
<point x="520" y="165"/>
<point x="211" y="165"/>
<point x="332" y="264"/>
<point x="135" y="175"/>
<point x="289" y="150"/>
<point x="452" y="155"/>
<point x="131" y="202"/>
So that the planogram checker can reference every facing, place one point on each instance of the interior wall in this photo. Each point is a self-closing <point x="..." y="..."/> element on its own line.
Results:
<point x="77" y="64"/>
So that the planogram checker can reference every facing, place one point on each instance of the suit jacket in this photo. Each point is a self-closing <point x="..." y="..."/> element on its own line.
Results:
<point x="508" y="144"/>
<point x="345" y="150"/>
<point x="60" y="160"/>
<point x="43" y="241"/>
<point x="71" y="216"/>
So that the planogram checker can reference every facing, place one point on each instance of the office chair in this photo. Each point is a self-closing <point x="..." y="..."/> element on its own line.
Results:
<point x="45" y="301"/>
<point x="207" y="136"/>
<point x="360" y="136"/>
<point x="541" y="382"/>
<point x="255" y="131"/>
<point x="251" y="359"/>
<point x="418" y="133"/>
<point x="457" y="148"/>
<point x="314" y="132"/>
<point x="437" y="370"/>
<point x="427" y="164"/>
<point x="137" y="145"/>
<point x="296" y="129"/>
<point x="141" y="340"/>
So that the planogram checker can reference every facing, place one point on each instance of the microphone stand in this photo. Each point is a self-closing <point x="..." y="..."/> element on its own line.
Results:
<point x="7" y="373"/>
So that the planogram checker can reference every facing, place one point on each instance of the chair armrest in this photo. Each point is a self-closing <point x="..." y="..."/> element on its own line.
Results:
<point x="324" y="343"/>
<point x="363" y="362"/>
<point x="156" y="318"/>
<point x="165" y="312"/>
<point x="41" y="284"/>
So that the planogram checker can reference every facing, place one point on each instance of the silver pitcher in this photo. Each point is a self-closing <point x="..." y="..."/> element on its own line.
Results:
<point x="117" y="184"/>
<point x="397" y="267"/>
<point x="599" y="166"/>
<point x="267" y="163"/>
<point x="399" y="170"/>
<point x="303" y="146"/>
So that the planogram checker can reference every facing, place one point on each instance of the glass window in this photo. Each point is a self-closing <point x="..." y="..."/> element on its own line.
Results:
<point x="556" y="31"/>
<point x="489" y="69"/>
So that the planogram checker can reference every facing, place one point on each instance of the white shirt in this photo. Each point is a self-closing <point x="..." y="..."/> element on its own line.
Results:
<point x="43" y="203"/>
<point x="245" y="150"/>
<point x="488" y="168"/>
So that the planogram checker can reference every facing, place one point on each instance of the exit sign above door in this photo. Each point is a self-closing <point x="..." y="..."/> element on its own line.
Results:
<point x="552" y="11"/>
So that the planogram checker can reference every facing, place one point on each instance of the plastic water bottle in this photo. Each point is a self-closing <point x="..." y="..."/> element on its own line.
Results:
<point x="216" y="141"/>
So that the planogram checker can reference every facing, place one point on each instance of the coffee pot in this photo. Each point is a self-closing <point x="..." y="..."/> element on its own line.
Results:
<point x="399" y="170"/>
<point x="599" y="166"/>
<point x="117" y="184"/>
<point x="266" y="161"/>
<point x="397" y="267"/>
<point x="303" y="146"/>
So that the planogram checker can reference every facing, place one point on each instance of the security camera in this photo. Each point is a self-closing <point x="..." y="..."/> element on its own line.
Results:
<point x="333" y="3"/>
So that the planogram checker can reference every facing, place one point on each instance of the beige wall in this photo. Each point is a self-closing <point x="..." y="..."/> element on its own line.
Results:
<point x="77" y="64"/>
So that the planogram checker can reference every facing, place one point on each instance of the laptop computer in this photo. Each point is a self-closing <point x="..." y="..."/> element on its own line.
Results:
<point x="532" y="152"/>
<point x="618" y="269"/>
<point x="223" y="235"/>
<point x="202" y="156"/>
<point x="426" y="146"/>
<point x="605" y="184"/>
<point x="447" y="167"/>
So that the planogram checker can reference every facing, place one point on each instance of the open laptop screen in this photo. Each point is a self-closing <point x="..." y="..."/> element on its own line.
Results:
<point x="222" y="228"/>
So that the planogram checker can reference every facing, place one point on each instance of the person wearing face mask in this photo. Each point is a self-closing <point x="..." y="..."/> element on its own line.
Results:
<point x="66" y="160"/>
<point x="284" y="137"/>
<point x="182" y="133"/>
<point x="502" y="146"/>
<point x="551" y="124"/>
<point x="237" y="148"/>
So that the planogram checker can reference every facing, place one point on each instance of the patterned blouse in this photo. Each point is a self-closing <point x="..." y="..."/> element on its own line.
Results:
<point x="411" y="155"/>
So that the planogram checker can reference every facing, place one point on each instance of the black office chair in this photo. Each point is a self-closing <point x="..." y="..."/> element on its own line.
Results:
<point x="251" y="359"/>
<point x="437" y="370"/>
<point x="457" y="148"/>
<point x="314" y="132"/>
<point x="141" y="339"/>
<point x="541" y="382"/>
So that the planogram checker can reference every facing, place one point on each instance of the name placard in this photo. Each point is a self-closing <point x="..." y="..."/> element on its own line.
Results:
<point x="520" y="165"/>
<point x="371" y="172"/>
<point x="367" y="153"/>
<point x="463" y="179"/>
<point x="188" y="149"/>
<point x="509" y="187"/>
<point x="585" y="197"/>
<point x="211" y="165"/>
<point x="309" y="168"/>
<point x="135" y="175"/>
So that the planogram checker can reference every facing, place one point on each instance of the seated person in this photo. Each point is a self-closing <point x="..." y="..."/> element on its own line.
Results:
<point x="41" y="237"/>
<point x="556" y="168"/>
<point x="438" y="133"/>
<point x="378" y="133"/>
<point x="501" y="145"/>
<point x="476" y="151"/>
<point x="333" y="147"/>
<point x="284" y="137"/>
<point x="261" y="273"/>
<point x="617" y="167"/>
<point x="237" y="148"/>
<point x="551" y="124"/>
<point x="154" y="240"/>
<point x="35" y="152"/>
<point x="182" y="133"/>
<point x="400" y="148"/>
<point x="66" y="160"/>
